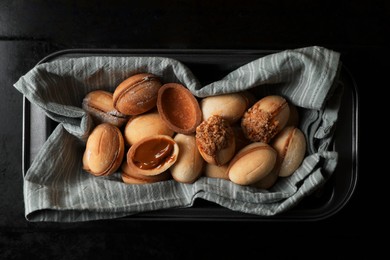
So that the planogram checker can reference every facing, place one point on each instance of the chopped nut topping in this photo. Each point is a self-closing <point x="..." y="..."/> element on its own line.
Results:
<point x="214" y="134"/>
<point x="258" y="125"/>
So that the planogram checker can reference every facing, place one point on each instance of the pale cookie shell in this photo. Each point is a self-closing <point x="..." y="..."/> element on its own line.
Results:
<point x="189" y="163"/>
<point x="137" y="94"/>
<point x="104" y="150"/>
<point x="290" y="145"/>
<point x="230" y="106"/>
<point x="145" y="125"/>
<point x="252" y="163"/>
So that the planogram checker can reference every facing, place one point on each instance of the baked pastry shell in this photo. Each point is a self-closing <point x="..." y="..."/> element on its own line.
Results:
<point x="104" y="150"/>
<point x="141" y="145"/>
<point x="179" y="108"/>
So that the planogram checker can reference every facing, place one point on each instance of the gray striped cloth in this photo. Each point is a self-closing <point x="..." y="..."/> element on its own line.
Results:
<point x="57" y="189"/>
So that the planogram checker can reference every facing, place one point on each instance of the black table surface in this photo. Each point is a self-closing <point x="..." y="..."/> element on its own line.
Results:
<point x="30" y="30"/>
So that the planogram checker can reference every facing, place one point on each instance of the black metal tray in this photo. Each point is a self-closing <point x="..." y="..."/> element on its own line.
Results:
<point x="323" y="203"/>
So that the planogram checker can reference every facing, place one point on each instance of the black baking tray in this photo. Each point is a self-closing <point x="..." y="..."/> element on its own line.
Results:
<point x="209" y="66"/>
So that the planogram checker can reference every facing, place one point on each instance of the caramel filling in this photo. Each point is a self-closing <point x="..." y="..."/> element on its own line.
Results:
<point x="153" y="154"/>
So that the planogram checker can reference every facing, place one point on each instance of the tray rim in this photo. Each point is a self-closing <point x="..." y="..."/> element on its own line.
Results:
<point x="169" y="214"/>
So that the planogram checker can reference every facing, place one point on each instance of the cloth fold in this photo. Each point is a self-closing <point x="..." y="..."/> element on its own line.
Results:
<point x="57" y="189"/>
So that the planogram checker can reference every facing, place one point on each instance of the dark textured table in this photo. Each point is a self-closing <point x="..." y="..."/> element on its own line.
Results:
<point x="31" y="30"/>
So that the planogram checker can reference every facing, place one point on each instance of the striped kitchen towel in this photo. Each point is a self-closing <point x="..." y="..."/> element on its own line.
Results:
<point x="57" y="189"/>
